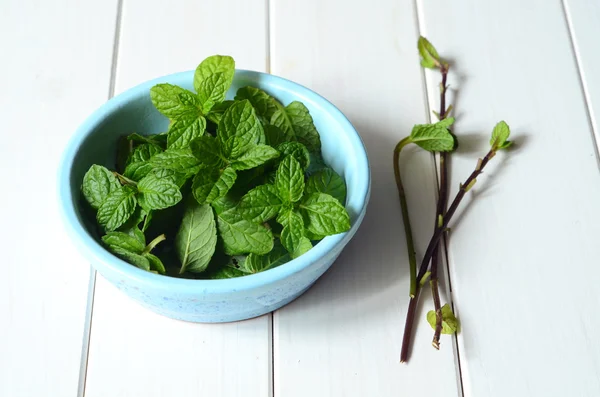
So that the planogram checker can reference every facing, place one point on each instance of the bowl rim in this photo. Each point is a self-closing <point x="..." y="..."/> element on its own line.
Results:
<point x="102" y="259"/>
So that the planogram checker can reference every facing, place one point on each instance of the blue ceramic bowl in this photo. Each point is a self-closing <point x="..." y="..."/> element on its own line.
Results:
<point x="210" y="300"/>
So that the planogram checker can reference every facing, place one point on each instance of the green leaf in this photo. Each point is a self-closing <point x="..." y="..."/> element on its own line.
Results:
<point x="429" y="56"/>
<point x="289" y="180"/>
<point x="500" y="136"/>
<point x="157" y="139"/>
<point x="240" y="236"/>
<point x="326" y="216"/>
<point x="98" y="183"/>
<point x="274" y="136"/>
<point x="116" y="209"/>
<point x="173" y="101"/>
<point x="207" y="150"/>
<point x="227" y="272"/>
<point x="223" y="204"/>
<point x="295" y="120"/>
<point x="312" y="236"/>
<point x="212" y="79"/>
<point x="254" y="156"/>
<point x="297" y="150"/>
<point x="178" y="160"/>
<point x="292" y="235"/>
<point x="158" y="193"/>
<point x="131" y="257"/>
<point x="260" y="204"/>
<point x="316" y="164"/>
<point x="137" y="165"/>
<point x="125" y="241"/>
<point x="264" y="103"/>
<point x="329" y="182"/>
<point x="304" y="129"/>
<point x="218" y="110"/>
<point x="211" y="184"/>
<point x="177" y="178"/>
<point x="185" y="129"/>
<point x="196" y="239"/>
<point x="155" y="263"/>
<point x="259" y="263"/>
<point x="239" y="129"/>
<point x="434" y="137"/>
<point x="450" y="323"/>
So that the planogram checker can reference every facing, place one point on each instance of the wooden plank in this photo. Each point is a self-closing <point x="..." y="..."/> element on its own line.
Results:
<point x="523" y="256"/>
<point x="56" y="70"/>
<point x="342" y="338"/>
<point x="132" y="350"/>
<point x="583" y="17"/>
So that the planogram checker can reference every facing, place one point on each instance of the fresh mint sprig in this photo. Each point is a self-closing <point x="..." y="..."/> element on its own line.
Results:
<point x="436" y="137"/>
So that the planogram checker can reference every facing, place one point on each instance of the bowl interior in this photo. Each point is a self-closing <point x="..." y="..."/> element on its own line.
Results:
<point x="133" y="111"/>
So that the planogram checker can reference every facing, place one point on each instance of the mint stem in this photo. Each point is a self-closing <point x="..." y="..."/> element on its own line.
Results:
<point x="154" y="243"/>
<point x="440" y="212"/>
<point x="410" y="245"/>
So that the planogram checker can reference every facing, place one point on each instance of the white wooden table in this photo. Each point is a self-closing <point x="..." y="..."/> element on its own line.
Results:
<point x="523" y="259"/>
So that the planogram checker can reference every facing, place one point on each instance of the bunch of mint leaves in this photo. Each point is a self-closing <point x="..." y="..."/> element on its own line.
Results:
<point x="234" y="187"/>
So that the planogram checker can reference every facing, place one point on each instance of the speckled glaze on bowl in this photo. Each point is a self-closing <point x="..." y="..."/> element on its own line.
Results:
<point x="210" y="300"/>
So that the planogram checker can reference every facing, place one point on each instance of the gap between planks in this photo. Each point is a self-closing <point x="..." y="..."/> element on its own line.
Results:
<point x="582" y="80"/>
<point x="420" y="28"/>
<point x="87" y="329"/>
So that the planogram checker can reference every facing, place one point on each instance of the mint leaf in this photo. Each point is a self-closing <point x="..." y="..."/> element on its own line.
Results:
<point x="206" y="149"/>
<point x="131" y="257"/>
<point x="304" y="129"/>
<point x="241" y="236"/>
<point x="254" y="156"/>
<point x="211" y="184"/>
<point x="296" y="121"/>
<point x="196" y="239"/>
<point x="158" y="193"/>
<point x="292" y="235"/>
<point x="450" y="324"/>
<point x="155" y="263"/>
<point x="297" y="150"/>
<point x="329" y="182"/>
<point x="500" y="136"/>
<point x="325" y="214"/>
<point x="264" y="103"/>
<point x="178" y="160"/>
<point x="227" y="272"/>
<point x="116" y="209"/>
<point x="184" y="129"/>
<point x="137" y="165"/>
<point x="159" y="140"/>
<point x="429" y="56"/>
<point x="260" y="204"/>
<point x="124" y="241"/>
<point x="289" y="180"/>
<point x="98" y="183"/>
<point x="212" y="79"/>
<point x="239" y="129"/>
<point x="434" y="137"/>
<point x="177" y="178"/>
<point x="217" y="111"/>
<point x="274" y="136"/>
<point x="259" y="263"/>
<point x="223" y="204"/>
<point x="173" y="101"/>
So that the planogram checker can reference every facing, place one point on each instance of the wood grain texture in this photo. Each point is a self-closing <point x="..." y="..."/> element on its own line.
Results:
<point x="523" y="255"/>
<point x="583" y="17"/>
<point x="342" y="338"/>
<point x="132" y="350"/>
<point x="55" y="71"/>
